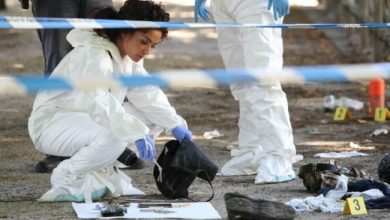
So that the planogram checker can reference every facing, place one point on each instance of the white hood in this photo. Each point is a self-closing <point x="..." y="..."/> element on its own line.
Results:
<point x="85" y="37"/>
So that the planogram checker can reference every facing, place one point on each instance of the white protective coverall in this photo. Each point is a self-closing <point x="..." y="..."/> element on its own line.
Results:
<point x="95" y="127"/>
<point x="266" y="145"/>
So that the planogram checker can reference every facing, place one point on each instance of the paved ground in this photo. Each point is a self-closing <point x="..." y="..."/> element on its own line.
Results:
<point x="205" y="109"/>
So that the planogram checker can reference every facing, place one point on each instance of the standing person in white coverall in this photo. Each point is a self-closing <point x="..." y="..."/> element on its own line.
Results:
<point x="94" y="127"/>
<point x="266" y="145"/>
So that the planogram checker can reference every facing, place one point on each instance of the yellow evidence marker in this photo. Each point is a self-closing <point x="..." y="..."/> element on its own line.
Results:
<point x="381" y="114"/>
<point x="355" y="206"/>
<point x="341" y="114"/>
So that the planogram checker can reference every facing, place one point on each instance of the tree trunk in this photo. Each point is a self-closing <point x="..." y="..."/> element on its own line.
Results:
<point x="2" y="5"/>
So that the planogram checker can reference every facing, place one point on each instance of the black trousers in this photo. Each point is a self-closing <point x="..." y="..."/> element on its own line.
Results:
<point x="54" y="43"/>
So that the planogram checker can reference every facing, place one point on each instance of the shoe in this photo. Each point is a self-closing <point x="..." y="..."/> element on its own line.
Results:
<point x="49" y="163"/>
<point x="242" y="207"/>
<point x="130" y="160"/>
<point x="137" y="165"/>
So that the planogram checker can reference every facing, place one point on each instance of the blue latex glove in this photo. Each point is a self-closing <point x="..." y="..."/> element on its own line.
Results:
<point x="200" y="10"/>
<point x="146" y="148"/>
<point x="281" y="8"/>
<point x="181" y="132"/>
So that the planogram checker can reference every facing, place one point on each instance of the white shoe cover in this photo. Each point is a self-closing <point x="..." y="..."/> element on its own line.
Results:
<point x="269" y="168"/>
<point x="63" y="195"/>
<point x="88" y="187"/>
<point x="275" y="169"/>
<point x="241" y="163"/>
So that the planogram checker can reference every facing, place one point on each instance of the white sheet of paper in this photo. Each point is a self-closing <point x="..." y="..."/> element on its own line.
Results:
<point x="196" y="210"/>
<point x="343" y="154"/>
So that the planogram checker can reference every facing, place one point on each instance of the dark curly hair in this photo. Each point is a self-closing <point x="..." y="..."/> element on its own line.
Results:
<point x="142" y="10"/>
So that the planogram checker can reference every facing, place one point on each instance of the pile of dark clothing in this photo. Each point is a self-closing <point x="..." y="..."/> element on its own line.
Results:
<point x="322" y="177"/>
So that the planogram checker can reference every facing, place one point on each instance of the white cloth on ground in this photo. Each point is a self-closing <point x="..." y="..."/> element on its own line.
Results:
<point x="369" y="194"/>
<point x="317" y="204"/>
<point x="340" y="189"/>
<point x="343" y="154"/>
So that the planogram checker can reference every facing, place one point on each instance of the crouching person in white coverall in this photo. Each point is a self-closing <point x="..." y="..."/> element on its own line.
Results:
<point x="266" y="145"/>
<point x="95" y="127"/>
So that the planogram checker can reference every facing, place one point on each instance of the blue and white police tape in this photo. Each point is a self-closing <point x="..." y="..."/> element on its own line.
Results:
<point x="13" y="22"/>
<point x="177" y="79"/>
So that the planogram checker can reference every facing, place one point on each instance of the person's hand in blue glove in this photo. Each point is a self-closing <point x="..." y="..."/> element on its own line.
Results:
<point x="281" y="8"/>
<point x="181" y="132"/>
<point x="200" y="10"/>
<point x="146" y="148"/>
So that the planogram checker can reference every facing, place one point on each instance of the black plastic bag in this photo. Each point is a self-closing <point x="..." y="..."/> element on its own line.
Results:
<point x="181" y="164"/>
